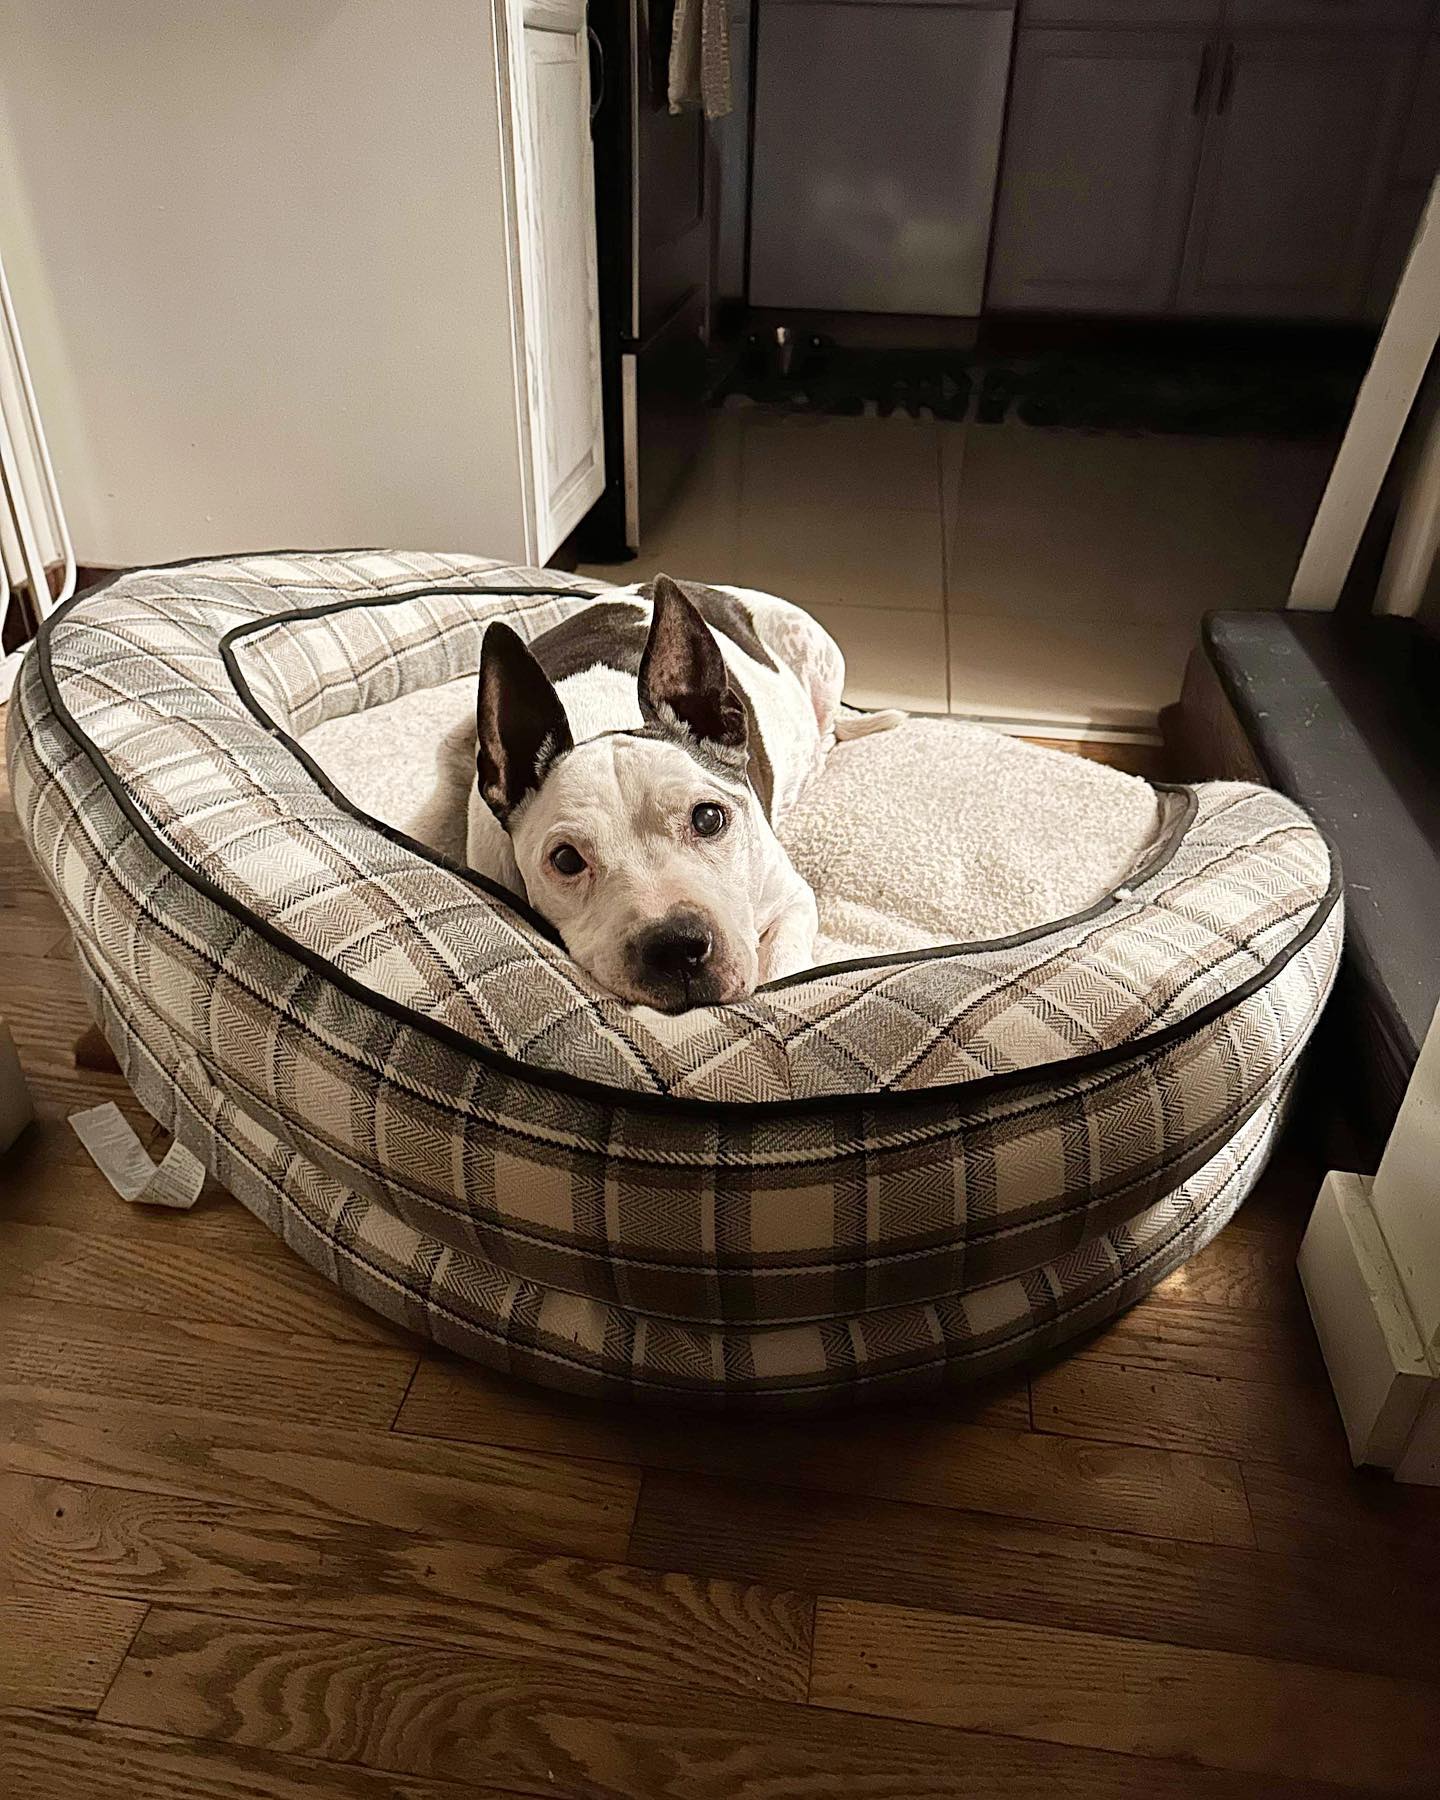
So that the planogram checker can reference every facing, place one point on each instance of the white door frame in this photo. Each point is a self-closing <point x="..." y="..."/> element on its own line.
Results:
<point x="1382" y="408"/>
<point x="36" y="552"/>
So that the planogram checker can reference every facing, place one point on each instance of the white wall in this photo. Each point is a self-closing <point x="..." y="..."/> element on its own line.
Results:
<point x="258" y="250"/>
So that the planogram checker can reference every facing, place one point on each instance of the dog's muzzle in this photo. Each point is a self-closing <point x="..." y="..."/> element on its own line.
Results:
<point x="673" y="960"/>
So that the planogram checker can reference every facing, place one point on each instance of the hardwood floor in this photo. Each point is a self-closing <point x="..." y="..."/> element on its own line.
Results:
<point x="1148" y="760"/>
<point x="256" y="1542"/>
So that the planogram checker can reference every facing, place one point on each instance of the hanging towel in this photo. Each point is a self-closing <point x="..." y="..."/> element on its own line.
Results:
<point x="700" y="57"/>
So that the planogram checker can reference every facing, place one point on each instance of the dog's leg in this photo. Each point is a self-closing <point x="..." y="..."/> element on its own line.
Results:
<point x="488" y="849"/>
<point x="788" y="945"/>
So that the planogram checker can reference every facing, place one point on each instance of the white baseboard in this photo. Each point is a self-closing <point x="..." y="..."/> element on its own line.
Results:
<point x="1386" y="1385"/>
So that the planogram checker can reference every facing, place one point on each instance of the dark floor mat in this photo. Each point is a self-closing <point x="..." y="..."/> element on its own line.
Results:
<point x="826" y="378"/>
<point x="1201" y="394"/>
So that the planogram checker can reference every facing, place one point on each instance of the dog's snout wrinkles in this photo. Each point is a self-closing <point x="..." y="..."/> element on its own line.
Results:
<point x="678" y="947"/>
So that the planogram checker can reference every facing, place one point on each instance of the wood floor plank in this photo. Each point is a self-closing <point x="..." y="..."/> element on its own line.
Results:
<point x="44" y="1006"/>
<point x="617" y="1622"/>
<point x="23" y="893"/>
<point x="1152" y="761"/>
<point x="22" y="965"/>
<point x="30" y="921"/>
<point x="58" y="1648"/>
<point x="1239" y="1269"/>
<point x="63" y="1149"/>
<point x="51" y="1756"/>
<point x="463" y="1491"/>
<point x="54" y="1349"/>
<point x="1349" y="1514"/>
<point x="47" y="1178"/>
<point x="1280" y="1204"/>
<point x="58" y="1088"/>
<point x="1297" y="1608"/>
<point x="933" y="1455"/>
<point x="426" y="1711"/>
<point x="33" y="937"/>
<point x="479" y="1402"/>
<point x="177" y="1277"/>
<point x="462" y="1603"/>
<point x="1177" y="1411"/>
<point x="1235" y="1343"/>
<point x="1243" y="1713"/>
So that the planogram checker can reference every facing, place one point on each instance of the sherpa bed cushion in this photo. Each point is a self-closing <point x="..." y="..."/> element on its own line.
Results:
<point x="934" y="833"/>
<point x="892" y="1172"/>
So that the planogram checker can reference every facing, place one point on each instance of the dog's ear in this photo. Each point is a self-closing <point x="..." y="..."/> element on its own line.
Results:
<point x="521" y="724"/>
<point x="683" y="681"/>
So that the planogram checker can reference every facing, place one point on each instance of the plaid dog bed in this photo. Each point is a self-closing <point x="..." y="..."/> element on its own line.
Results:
<point x="910" y="1168"/>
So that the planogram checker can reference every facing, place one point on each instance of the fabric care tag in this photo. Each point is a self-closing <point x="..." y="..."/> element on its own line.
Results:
<point x="125" y="1163"/>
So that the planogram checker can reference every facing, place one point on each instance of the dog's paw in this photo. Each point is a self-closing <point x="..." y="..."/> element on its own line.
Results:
<point x="789" y="960"/>
<point x="789" y="945"/>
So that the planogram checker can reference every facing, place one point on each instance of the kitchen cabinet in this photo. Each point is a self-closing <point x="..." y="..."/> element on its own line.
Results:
<point x="1203" y="14"/>
<point x="1329" y="15"/>
<point x="1235" y="15"/>
<point x="1288" y="204"/>
<point x="1414" y="171"/>
<point x="876" y="141"/>
<point x="1420" y="147"/>
<point x="1098" y="177"/>
<point x="1237" y="172"/>
<point x="1398" y="224"/>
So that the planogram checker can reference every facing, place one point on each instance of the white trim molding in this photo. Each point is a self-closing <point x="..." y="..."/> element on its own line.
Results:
<point x="37" y="557"/>
<point x="1370" y="1265"/>
<point x="1382" y="409"/>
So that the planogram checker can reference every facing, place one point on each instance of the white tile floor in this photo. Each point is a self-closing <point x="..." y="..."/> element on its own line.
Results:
<point x="1049" y="579"/>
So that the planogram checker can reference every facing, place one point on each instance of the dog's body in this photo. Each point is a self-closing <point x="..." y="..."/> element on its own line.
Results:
<point x="632" y="764"/>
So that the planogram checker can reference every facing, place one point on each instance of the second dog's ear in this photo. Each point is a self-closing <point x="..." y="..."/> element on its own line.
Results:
<point x="683" y="680"/>
<point x="521" y="723"/>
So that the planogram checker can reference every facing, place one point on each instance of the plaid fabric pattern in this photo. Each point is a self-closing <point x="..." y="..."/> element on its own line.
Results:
<point x="586" y="1346"/>
<point x="860" y="1142"/>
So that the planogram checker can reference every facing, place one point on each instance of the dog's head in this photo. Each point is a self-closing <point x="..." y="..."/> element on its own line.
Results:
<point x="644" y="848"/>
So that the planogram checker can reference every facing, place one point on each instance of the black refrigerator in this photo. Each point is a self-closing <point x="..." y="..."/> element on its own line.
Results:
<point x="653" y="239"/>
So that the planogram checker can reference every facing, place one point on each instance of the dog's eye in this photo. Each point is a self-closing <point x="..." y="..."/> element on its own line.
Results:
<point x="565" y="859"/>
<point x="708" y="820"/>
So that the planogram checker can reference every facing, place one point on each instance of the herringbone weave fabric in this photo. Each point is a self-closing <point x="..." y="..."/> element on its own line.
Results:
<point x="405" y="1056"/>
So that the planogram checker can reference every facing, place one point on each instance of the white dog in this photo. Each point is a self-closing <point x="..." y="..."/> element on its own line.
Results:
<point x="631" y="764"/>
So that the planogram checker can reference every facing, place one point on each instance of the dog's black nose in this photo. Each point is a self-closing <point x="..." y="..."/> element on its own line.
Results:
<point x="678" y="947"/>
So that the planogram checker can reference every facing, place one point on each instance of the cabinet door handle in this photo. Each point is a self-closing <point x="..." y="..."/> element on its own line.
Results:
<point x="1227" y="79"/>
<point x="1202" y="80"/>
